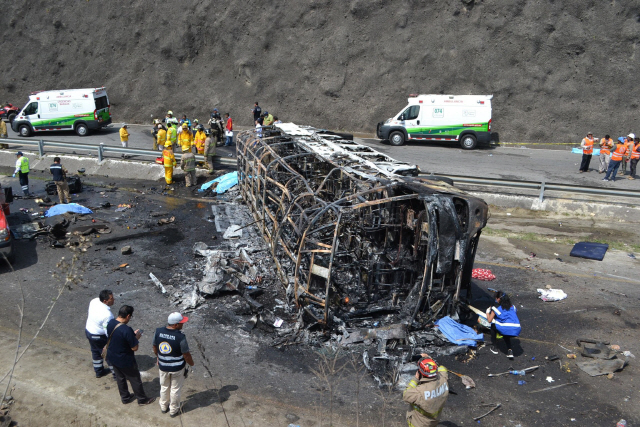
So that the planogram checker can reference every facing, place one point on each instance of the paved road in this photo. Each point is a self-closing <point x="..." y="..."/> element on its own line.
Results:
<point x="551" y="163"/>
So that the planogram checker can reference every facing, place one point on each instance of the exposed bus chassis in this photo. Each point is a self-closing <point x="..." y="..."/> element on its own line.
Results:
<point x="351" y="239"/>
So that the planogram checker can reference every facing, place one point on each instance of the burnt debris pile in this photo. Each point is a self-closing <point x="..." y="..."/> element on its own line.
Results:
<point x="357" y="239"/>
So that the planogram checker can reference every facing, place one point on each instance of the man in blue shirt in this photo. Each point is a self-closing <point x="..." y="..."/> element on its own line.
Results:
<point x="122" y="345"/>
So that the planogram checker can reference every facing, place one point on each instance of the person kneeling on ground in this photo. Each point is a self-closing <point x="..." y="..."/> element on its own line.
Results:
<point x="427" y="393"/>
<point x="504" y="321"/>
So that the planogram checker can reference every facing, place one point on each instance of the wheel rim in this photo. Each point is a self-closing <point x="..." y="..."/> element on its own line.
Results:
<point x="396" y="139"/>
<point x="82" y="130"/>
<point x="468" y="142"/>
<point x="24" y="131"/>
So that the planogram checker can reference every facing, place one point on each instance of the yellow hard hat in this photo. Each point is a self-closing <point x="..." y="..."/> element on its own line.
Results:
<point x="184" y="126"/>
<point x="168" y="144"/>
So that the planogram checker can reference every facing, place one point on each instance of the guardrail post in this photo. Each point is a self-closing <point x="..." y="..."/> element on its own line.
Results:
<point x="541" y="191"/>
<point x="41" y="148"/>
<point x="100" y="151"/>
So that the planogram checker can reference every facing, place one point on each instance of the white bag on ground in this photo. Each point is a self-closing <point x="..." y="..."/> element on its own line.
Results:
<point x="552" y="294"/>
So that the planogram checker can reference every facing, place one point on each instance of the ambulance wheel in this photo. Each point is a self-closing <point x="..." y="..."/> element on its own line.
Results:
<point x="468" y="142"/>
<point x="82" y="130"/>
<point x="24" y="130"/>
<point x="396" y="138"/>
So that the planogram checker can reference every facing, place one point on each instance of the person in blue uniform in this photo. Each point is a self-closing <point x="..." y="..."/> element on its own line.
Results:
<point x="504" y="321"/>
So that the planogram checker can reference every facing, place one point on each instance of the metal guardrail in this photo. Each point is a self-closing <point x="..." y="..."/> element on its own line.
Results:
<point x="538" y="185"/>
<point x="102" y="148"/>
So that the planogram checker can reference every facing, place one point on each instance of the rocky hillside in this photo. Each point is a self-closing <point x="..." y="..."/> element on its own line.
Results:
<point x="556" y="68"/>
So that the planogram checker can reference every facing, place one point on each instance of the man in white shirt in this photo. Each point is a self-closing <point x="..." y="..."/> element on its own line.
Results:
<point x="96" y="329"/>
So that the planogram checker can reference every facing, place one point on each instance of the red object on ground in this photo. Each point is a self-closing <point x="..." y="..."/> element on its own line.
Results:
<point x="482" y="274"/>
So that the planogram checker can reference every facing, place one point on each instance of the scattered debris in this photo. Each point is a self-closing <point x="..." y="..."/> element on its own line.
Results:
<point x="466" y="380"/>
<point x="482" y="274"/>
<point x="158" y="283"/>
<point x="233" y="232"/>
<point x="68" y="207"/>
<point x="571" y="356"/>
<point x="627" y="353"/>
<point x="598" y="367"/>
<point x="552" y="387"/>
<point x="497" y="405"/>
<point x="126" y="250"/>
<point x="513" y="372"/>
<point x="550" y="380"/>
<point x="457" y="333"/>
<point x="165" y="221"/>
<point x="552" y="294"/>
<point x="589" y="250"/>
<point x="595" y="349"/>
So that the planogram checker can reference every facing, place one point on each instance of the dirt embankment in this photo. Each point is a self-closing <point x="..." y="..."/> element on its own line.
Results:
<point x="557" y="69"/>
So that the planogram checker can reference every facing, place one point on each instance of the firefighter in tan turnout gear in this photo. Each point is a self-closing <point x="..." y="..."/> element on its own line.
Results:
<point x="427" y="393"/>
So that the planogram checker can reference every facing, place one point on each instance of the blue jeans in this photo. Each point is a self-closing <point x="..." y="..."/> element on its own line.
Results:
<point x="613" y="167"/>
<point x="228" y="140"/>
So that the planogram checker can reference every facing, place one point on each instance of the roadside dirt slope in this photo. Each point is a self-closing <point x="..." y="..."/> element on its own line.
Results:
<point x="557" y="69"/>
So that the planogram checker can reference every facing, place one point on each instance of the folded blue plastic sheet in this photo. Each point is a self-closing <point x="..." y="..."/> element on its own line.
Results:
<point x="225" y="182"/>
<point x="575" y="150"/>
<point x="457" y="333"/>
<point x="589" y="250"/>
<point x="68" y="207"/>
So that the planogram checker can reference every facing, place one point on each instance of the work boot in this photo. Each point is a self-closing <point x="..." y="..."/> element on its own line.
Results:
<point x="510" y="354"/>
<point x="493" y="349"/>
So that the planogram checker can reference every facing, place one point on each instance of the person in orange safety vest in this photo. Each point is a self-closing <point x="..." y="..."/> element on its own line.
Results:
<point x="587" y="152"/>
<point x="616" y="158"/>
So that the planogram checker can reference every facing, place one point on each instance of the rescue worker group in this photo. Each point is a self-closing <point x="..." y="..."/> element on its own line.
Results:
<point x="193" y="138"/>
<point x="613" y="161"/>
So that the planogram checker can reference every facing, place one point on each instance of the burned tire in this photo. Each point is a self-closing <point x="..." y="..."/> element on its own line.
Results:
<point x="468" y="142"/>
<point x="396" y="138"/>
<point x="24" y="130"/>
<point x="82" y="130"/>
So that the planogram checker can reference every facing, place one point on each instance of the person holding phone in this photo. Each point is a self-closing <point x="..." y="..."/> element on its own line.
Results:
<point x="121" y="347"/>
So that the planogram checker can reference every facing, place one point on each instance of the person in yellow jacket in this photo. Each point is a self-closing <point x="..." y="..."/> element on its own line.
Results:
<point x="172" y="134"/>
<point x="3" y="133"/>
<point x="169" y="160"/>
<point x="185" y="139"/>
<point x="427" y="393"/>
<point x="124" y="138"/>
<point x="161" y="137"/>
<point x="199" y="139"/>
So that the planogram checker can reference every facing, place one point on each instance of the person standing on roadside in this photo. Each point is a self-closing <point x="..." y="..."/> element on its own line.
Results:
<point x="606" y="144"/>
<point x="96" y="330"/>
<point x="427" y="393"/>
<point x="257" y="111"/>
<point x="22" y="169"/>
<point x="617" y="156"/>
<point x="124" y="138"/>
<point x="268" y="119"/>
<point x="60" y="179"/>
<point x="169" y="162"/>
<point x="161" y="137"/>
<point x="199" y="138"/>
<point x="587" y="152"/>
<point x="3" y="134"/>
<point x="172" y="350"/>
<point x="188" y="165"/>
<point x="172" y="134"/>
<point x="229" y="130"/>
<point x="635" y="156"/>
<point x="209" y="152"/>
<point x="185" y="139"/>
<point x="121" y="347"/>
<point x="170" y="119"/>
<point x="628" y="141"/>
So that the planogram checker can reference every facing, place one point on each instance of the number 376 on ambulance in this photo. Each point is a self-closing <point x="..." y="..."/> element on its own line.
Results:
<point x="462" y="118"/>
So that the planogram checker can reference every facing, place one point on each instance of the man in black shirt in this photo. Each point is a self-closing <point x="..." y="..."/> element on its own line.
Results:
<point x="123" y="342"/>
<point x="60" y="178"/>
<point x="257" y="112"/>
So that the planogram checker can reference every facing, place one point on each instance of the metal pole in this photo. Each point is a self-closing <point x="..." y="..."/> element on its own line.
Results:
<point x="541" y="191"/>
<point x="41" y="148"/>
<point x="100" y="151"/>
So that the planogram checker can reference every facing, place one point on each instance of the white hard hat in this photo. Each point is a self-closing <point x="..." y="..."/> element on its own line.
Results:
<point x="631" y="135"/>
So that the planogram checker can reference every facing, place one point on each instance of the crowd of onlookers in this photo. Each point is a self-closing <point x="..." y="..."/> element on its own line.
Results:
<point x="614" y="155"/>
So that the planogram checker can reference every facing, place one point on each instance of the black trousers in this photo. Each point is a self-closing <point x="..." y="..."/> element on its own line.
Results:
<point x="97" y="343"/>
<point x="586" y="159"/>
<point x="131" y="373"/>
<point x="633" y="164"/>
<point x="24" y="182"/>
<point x="494" y="339"/>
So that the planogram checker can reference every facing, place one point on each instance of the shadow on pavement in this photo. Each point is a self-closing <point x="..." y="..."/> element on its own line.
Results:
<point x="205" y="398"/>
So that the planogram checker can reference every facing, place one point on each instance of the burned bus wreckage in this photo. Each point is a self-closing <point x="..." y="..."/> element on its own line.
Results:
<point x="359" y="241"/>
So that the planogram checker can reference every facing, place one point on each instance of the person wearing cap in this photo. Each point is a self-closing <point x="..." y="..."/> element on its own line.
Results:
<point x="215" y="115"/>
<point x="172" y="351"/>
<point x="268" y="119"/>
<point x="161" y="137"/>
<point x="635" y="156"/>
<point x="168" y="161"/>
<point x="628" y="141"/>
<point x="606" y="144"/>
<point x="22" y="169"/>
<point x="617" y="156"/>
<point x="124" y="138"/>
<point x="587" y="152"/>
<point x="170" y="119"/>
<point x="185" y="139"/>
<point x="122" y="343"/>
<point x="427" y="393"/>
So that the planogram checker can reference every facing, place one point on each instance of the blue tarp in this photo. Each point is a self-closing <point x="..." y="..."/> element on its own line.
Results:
<point x="575" y="150"/>
<point x="69" y="207"/>
<point x="225" y="182"/>
<point x="457" y="333"/>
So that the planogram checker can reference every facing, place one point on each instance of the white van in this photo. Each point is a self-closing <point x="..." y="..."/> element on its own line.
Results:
<point x="80" y="110"/>
<point x="464" y="118"/>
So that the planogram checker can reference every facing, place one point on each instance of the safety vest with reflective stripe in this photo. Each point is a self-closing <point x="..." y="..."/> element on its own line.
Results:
<point x="605" y="146"/>
<point x="170" y="358"/>
<point x="172" y="134"/>
<point x="199" y="140"/>
<point x="169" y="159"/>
<point x="185" y="140"/>
<point x="620" y="151"/>
<point x="588" y="146"/>
<point x="24" y="164"/>
<point x="162" y="136"/>
<point x="635" y="153"/>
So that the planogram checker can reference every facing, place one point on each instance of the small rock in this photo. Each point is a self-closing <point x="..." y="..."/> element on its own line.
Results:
<point x="292" y="418"/>
<point x="111" y="248"/>
<point x="126" y="250"/>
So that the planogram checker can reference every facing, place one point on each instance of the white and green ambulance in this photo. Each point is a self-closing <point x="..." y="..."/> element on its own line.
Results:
<point x="463" y="118"/>
<point x="81" y="110"/>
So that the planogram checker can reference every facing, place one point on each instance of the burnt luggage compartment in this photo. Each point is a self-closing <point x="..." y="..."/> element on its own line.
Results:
<point x="354" y="239"/>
